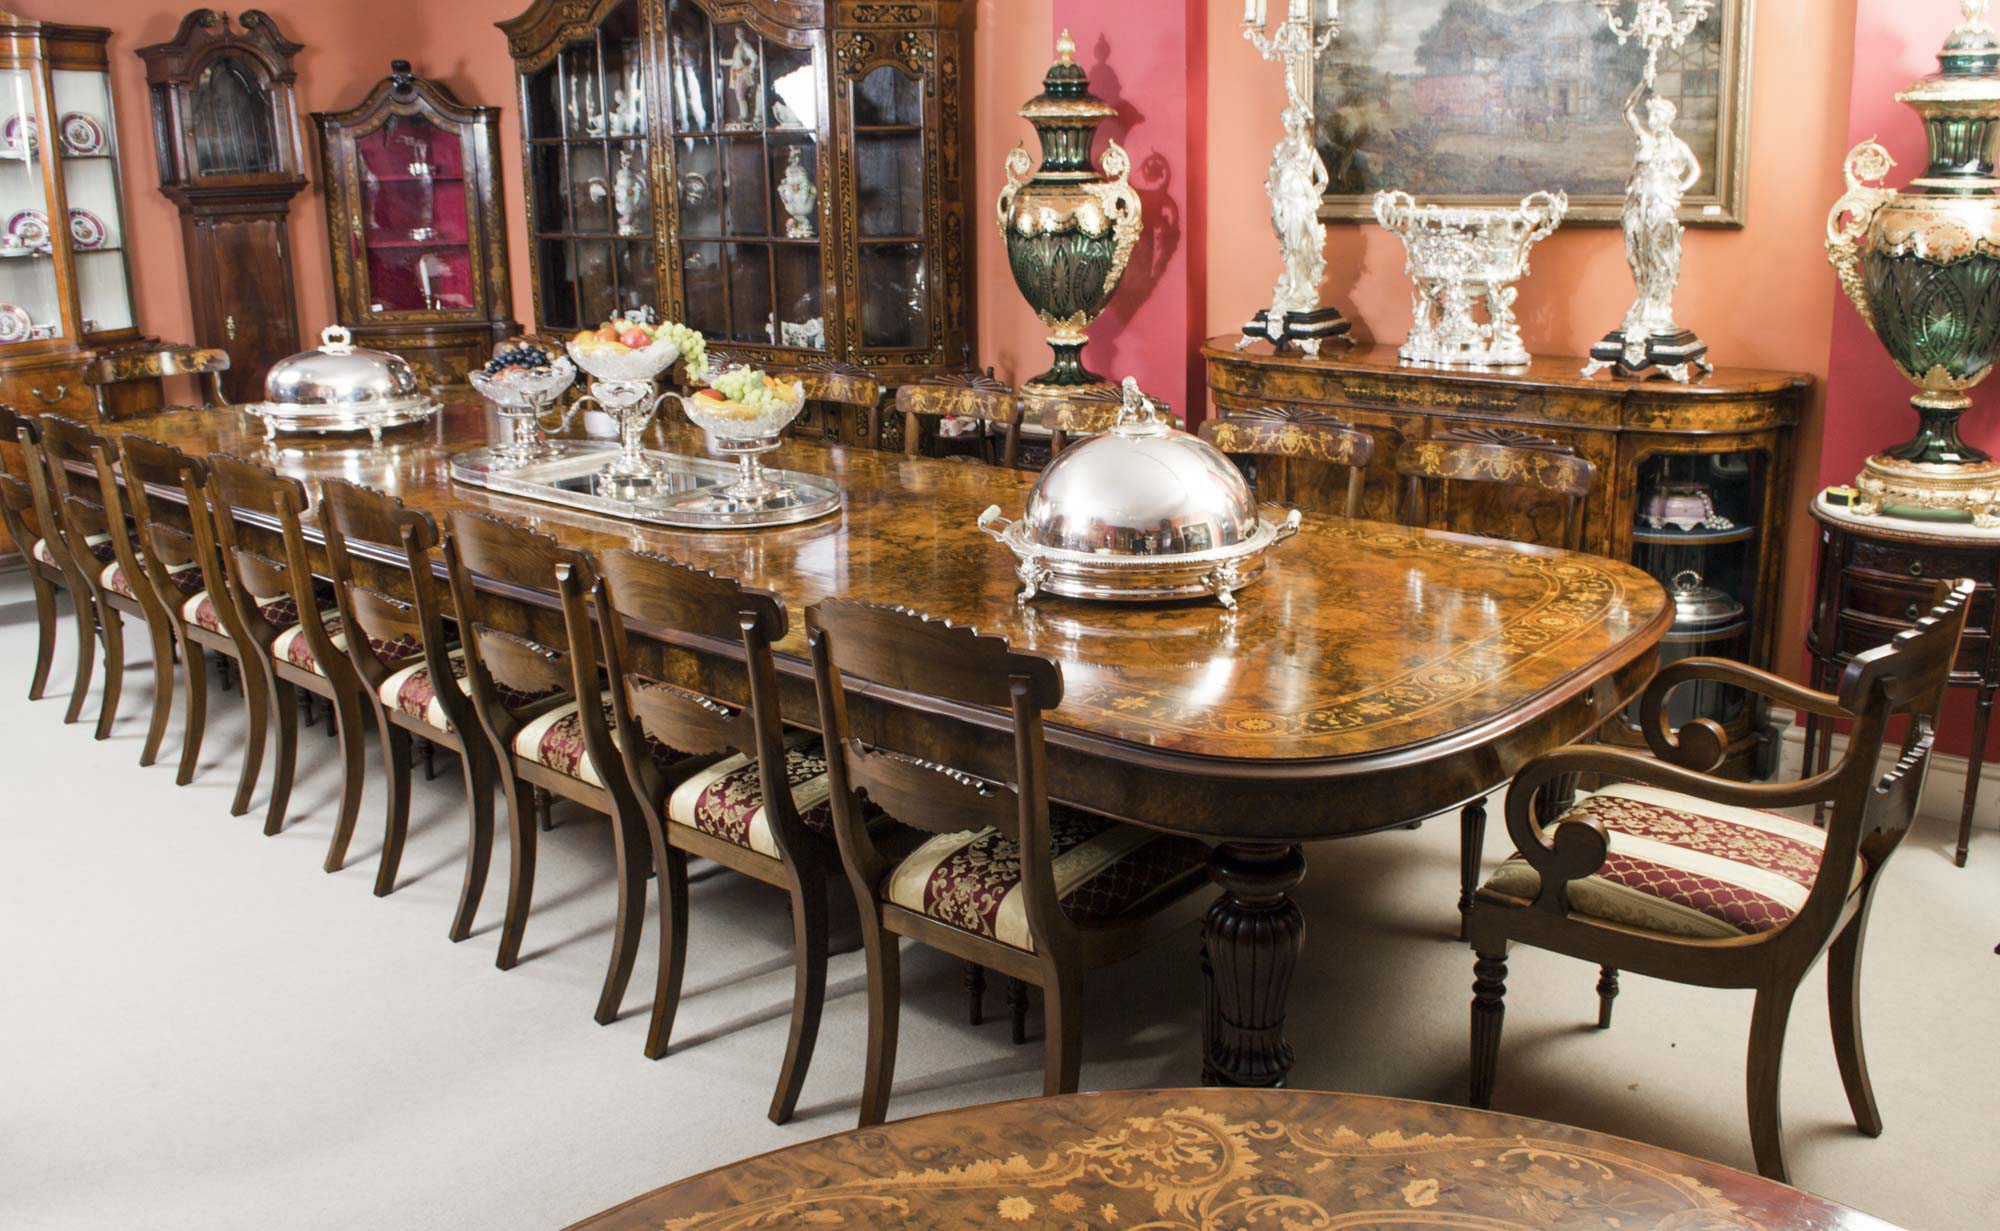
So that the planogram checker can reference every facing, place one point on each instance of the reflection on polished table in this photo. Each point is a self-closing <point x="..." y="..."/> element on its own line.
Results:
<point x="1235" y="1158"/>
<point x="1375" y="674"/>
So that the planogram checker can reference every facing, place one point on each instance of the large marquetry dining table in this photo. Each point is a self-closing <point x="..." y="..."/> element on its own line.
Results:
<point x="1374" y="675"/>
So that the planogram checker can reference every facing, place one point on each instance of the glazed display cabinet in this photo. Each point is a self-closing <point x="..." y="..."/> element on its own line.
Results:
<point x="784" y="175"/>
<point x="413" y="205"/>
<point x="65" y="281"/>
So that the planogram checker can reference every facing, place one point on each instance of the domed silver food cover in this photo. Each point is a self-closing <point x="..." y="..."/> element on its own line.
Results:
<point x="341" y="387"/>
<point x="1142" y="512"/>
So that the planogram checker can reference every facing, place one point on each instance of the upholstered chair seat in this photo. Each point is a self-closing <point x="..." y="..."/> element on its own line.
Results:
<point x="200" y="610"/>
<point x="1104" y="871"/>
<point x="554" y="739"/>
<point x="292" y="647"/>
<point x="1686" y="867"/>
<point x="726" y="801"/>
<point x="99" y="545"/>
<point x="187" y="578"/>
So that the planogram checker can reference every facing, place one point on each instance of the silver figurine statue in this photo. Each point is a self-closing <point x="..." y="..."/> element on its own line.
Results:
<point x="1649" y="339"/>
<point x="1296" y="185"/>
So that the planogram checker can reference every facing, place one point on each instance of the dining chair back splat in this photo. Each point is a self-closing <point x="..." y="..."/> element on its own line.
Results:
<point x="1276" y="436"/>
<point x="961" y="396"/>
<point x="1764" y="895"/>
<point x="748" y="795"/>
<point x="994" y="832"/>
<point x="26" y="511"/>
<point x="379" y="557"/>
<point x="1477" y="456"/>
<point x="279" y="607"/>
<point x="542" y="708"/>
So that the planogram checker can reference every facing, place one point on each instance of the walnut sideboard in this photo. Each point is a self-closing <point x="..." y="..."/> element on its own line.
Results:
<point x="1691" y="480"/>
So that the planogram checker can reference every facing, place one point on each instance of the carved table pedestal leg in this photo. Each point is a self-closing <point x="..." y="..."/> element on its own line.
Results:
<point x="1250" y="943"/>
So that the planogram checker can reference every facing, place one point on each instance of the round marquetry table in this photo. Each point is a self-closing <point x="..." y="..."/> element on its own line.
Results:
<point x="1224" y="1159"/>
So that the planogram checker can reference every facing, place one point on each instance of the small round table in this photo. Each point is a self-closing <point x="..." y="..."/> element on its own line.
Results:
<point x="1225" y="1159"/>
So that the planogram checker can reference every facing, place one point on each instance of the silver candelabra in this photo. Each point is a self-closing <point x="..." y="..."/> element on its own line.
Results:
<point x="1649" y="339"/>
<point x="1297" y="181"/>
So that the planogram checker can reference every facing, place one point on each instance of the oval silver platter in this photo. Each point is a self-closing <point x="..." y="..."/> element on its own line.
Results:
<point x="685" y="498"/>
<point x="282" y="418"/>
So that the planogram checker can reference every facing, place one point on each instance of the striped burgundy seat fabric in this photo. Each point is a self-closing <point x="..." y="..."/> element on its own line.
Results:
<point x="186" y="578"/>
<point x="726" y="800"/>
<point x="1686" y="867"/>
<point x="555" y="739"/>
<point x="99" y="545"/>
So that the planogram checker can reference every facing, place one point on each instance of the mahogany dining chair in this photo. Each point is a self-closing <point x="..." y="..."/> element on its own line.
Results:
<point x="1276" y="436"/>
<point x="27" y="512"/>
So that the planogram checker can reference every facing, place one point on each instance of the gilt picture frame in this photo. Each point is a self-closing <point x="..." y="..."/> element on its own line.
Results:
<point x="1480" y="102"/>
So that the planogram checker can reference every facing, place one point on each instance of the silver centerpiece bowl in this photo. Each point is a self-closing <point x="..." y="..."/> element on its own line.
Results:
<point x="734" y="430"/>
<point x="1460" y="258"/>
<point x="341" y="387"/>
<point x="522" y="400"/>
<point x="1142" y="512"/>
<point x="621" y="386"/>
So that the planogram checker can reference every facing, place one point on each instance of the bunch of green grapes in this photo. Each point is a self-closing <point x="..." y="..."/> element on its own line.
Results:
<point x="752" y="388"/>
<point x="693" y="347"/>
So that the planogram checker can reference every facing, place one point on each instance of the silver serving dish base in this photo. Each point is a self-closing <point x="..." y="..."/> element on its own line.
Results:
<point x="1105" y="577"/>
<point x="332" y="419"/>
<point x="684" y="492"/>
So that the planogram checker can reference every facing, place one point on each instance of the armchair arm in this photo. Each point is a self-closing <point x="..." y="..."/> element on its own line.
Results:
<point x="1574" y="846"/>
<point x="1701" y="744"/>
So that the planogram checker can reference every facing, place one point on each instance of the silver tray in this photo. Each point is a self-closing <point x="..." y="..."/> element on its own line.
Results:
<point x="1217" y="572"/>
<point x="332" y="418"/>
<point x="686" y="493"/>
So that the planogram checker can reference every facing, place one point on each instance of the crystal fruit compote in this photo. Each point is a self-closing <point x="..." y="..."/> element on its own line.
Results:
<point x="523" y="379"/>
<point x="623" y="359"/>
<point x="745" y="413"/>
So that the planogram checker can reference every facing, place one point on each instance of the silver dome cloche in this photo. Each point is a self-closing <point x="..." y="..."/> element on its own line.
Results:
<point x="341" y="387"/>
<point x="1141" y="512"/>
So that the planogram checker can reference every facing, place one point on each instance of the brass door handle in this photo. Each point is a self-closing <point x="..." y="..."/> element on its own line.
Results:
<point x="229" y="326"/>
<point x="62" y="391"/>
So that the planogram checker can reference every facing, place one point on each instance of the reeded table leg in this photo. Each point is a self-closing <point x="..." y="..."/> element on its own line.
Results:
<point x="1250" y="943"/>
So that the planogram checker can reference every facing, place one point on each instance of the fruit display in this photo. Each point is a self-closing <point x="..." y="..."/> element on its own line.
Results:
<point x="519" y="359"/>
<point x="749" y="393"/>
<point x="622" y="336"/>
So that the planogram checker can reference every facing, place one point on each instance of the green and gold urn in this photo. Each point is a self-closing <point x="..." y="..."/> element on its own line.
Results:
<point x="1923" y="268"/>
<point x="1070" y="228"/>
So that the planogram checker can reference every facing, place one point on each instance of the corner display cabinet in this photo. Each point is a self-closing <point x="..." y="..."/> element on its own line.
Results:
<point x="226" y="132"/>
<point x="785" y="176"/>
<point x="65" y="285"/>
<point x="419" y="245"/>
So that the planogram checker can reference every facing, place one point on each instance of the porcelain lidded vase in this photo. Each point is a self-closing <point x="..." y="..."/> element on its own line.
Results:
<point x="1922" y="266"/>
<point x="1070" y="228"/>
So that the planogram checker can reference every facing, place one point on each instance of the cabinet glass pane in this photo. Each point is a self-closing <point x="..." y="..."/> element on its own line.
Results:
<point x="750" y="318"/>
<point x="28" y="304"/>
<point x="794" y="171"/>
<point x="558" y="289"/>
<point x="889" y="180"/>
<point x="893" y="296"/>
<point x="888" y="96"/>
<point x="583" y="98"/>
<point x="739" y="71"/>
<point x="801" y="317"/>
<point x="690" y="75"/>
<point x="593" y="280"/>
<point x="631" y="203"/>
<point x="701" y="280"/>
<point x="545" y="102"/>
<point x="230" y="120"/>
<point x="700" y="186"/>
<point x="1696" y="530"/>
<point x="416" y="222"/>
<point x="638" y="283"/>
<point x="621" y="90"/>
<point x="589" y="190"/>
<point x="791" y="99"/>
<point x="551" y="209"/>
<point x="87" y="147"/>
<point x="746" y="192"/>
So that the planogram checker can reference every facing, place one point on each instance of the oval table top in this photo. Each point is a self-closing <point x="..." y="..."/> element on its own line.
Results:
<point x="1364" y="650"/>
<point x="1224" y="1159"/>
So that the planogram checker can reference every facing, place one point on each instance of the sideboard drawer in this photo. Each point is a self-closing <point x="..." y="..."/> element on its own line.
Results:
<point x="1903" y="602"/>
<point x="1859" y="634"/>
<point x="1926" y="563"/>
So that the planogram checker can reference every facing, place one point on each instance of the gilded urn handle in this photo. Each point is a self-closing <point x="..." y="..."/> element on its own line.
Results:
<point x="1020" y="169"/>
<point x="1120" y="203"/>
<point x="1852" y="217"/>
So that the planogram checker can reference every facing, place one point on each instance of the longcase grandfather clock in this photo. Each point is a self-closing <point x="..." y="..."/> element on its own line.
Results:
<point x="226" y="130"/>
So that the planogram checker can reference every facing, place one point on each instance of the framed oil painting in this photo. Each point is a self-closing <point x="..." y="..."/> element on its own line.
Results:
<point x="1484" y="101"/>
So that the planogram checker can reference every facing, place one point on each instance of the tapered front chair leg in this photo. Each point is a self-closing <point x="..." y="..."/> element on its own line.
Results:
<point x="885" y="997"/>
<point x="352" y="730"/>
<point x="396" y="753"/>
<point x="285" y="718"/>
<point x="1062" y="1029"/>
<point x="163" y="692"/>
<point x="1843" y="995"/>
<point x="521" y="876"/>
<point x="1489" y="1013"/>
<point x="194" y="721"/>
<point x="630" y="855"/>
<point x="112" y="627"/>
<point x="1767" y="1051"/>
<point x="85" y="612"/>
<point x="45" y="635"/>
<point x="672" y="904"/>
<point x="257" y="724"/>
<point x="479" y="787"/>
<point x="808" y="990"/>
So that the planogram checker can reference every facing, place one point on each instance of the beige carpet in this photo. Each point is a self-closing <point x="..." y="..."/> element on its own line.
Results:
<point x="202" y="1029"/>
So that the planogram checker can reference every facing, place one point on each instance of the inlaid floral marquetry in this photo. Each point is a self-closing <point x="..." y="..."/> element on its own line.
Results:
<point x="1209" y="1160"/>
